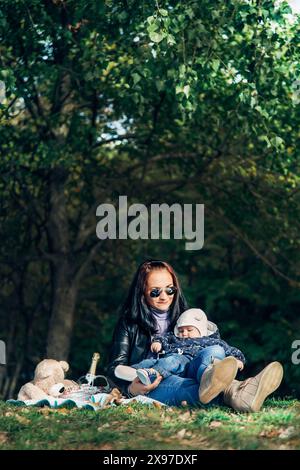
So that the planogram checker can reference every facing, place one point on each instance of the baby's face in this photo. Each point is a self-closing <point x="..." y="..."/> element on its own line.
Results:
<point x="188" y="332"/>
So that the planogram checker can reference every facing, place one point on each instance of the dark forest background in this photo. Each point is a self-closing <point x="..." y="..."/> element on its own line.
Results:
<point x="187" y="102"/>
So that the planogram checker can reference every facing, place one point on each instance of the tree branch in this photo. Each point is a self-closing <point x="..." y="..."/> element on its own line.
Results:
<point x="85" y="265"/>
<point x="245" y="239"/>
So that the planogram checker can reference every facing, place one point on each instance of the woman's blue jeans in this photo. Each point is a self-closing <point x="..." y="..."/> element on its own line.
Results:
<point x="174" y="389"/>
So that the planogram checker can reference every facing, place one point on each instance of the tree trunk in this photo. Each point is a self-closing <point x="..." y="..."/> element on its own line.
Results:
<point x="64" y="289"/>
<point x="12" y="337"/>
<point x="14" y="380"/>
<point x="66" y="272"/>
<point x="62" y="317"/>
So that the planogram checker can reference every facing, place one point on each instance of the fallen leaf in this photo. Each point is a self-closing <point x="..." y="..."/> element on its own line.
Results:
<point x="3" y="437"/>
<point x="44" y="411"/>
<point x="185" y="416"/>
<point x="63" y="411"/>
<point x="22" y="419"/>
<point x="284" y="447"/>
<point x="49" y="411"/>
<point x="271" y="433"/>
<point x="286" y="433"/>
<point x="114" y="396"/>
<point x="181" y="433"/>
<point x="167" y="439"/>
<point x="103" y="426"/>
<point x="105" y="447"/>
<point x="129" y="409"/>
<point x="215" y="424"/>
<point x="157" y="405"/>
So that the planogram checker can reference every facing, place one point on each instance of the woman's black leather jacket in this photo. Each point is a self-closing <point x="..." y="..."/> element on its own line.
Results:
<point x="130" y="345"/>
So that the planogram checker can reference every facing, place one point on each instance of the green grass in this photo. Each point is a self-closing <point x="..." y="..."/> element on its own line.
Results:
<point x="276" y="426"/>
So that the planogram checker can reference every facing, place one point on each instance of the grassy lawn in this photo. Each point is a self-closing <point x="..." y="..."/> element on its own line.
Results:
<point x="276" y="426"/>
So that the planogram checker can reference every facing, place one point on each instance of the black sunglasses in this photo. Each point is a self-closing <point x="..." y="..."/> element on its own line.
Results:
<point x="168" y="290"/>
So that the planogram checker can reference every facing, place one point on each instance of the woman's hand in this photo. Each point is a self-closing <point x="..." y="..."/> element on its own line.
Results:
<point x="156" y="347"/>
<point x="240" y="364"/>
<point x="137" y="388"/>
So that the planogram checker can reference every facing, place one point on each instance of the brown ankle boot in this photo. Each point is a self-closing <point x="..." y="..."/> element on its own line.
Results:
<point x="250" y="394"/>
<point x="216" y="378"/>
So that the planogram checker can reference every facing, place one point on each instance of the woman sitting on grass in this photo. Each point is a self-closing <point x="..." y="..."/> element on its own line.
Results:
<point x="153" y="306"/>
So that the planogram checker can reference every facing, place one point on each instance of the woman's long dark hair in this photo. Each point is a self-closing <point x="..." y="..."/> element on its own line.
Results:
<point x="135" y="308"/>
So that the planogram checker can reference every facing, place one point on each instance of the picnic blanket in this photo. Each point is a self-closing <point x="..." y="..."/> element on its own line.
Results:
<point x="95" y="402"/>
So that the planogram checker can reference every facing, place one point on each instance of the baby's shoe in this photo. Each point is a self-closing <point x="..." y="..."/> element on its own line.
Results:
<point x="125" y="373"/>
<point x="147" y="376"/>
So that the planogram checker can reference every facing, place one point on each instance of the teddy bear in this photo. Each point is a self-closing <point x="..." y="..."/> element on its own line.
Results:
<point x="49" y="380"/>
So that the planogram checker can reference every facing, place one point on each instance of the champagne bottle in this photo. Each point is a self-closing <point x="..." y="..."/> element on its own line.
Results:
<point x="95" y="360"/>
<point x="93" y="381"/>
<point x="88" y="379"/>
